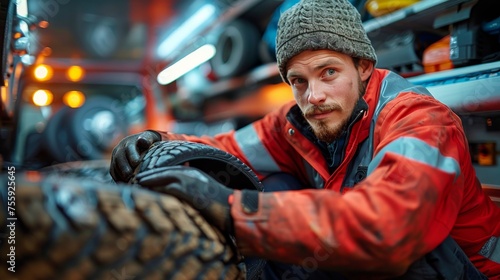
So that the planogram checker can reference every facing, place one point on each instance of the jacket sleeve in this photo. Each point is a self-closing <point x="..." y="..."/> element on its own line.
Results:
<point x="404" y="208"/>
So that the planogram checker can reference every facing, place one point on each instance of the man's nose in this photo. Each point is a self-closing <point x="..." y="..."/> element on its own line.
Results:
<point x="316" y="94"/>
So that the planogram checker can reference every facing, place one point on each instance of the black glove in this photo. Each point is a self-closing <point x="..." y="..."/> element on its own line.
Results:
<point x="195" y="187"/>
<point x="127" y="154"/>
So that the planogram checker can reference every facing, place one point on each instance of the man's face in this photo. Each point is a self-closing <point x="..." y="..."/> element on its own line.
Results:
<point x="326" y="86"/>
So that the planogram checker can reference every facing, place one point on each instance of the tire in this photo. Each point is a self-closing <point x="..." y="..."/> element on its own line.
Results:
<point x="222" y="166"/>
<point x="55" y="138"/>
<point x="69" y="137"/>
<point x="87" y="136"/>
<point x="95" y="169"/>
<point x="237" y="49"/>
<point x="69" y="228"/>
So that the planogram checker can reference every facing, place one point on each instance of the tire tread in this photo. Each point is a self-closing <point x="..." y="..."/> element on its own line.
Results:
<point x="68" y="228"/>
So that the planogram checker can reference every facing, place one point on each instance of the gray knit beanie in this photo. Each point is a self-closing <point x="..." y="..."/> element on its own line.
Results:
<point x="321" y="24"/>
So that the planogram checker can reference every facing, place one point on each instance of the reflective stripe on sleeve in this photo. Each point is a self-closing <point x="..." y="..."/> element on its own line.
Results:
<point x="491" y="249"/>
<point x="255" y="152"/>
<point x="417" y="150"/>
<point x="392" y="86"/>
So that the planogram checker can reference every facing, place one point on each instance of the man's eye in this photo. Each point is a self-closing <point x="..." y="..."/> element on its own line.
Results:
<point x="298" y="81"/>
<point x="330" y="72"/>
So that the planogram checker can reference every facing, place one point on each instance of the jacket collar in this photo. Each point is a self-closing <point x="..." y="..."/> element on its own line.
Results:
<point x="333" y="152"/>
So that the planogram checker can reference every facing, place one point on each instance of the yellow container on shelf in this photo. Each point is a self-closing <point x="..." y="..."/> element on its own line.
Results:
<point x="378" y="8"/>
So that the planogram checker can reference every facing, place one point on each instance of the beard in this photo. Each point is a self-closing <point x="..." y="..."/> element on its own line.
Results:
<point x="322" y="129"/>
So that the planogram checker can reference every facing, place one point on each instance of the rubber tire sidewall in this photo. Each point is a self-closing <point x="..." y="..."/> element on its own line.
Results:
<point x="243" y="53"/>
<point x="55" y="137"/>
<point x="220" y="165"/>
<point x="82" y="141"/>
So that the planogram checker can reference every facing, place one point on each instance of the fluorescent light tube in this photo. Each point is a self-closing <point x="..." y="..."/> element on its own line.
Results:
<point x="22" y="8"/>
<point x="186" y="30"/>
<point x="186" y="64"/>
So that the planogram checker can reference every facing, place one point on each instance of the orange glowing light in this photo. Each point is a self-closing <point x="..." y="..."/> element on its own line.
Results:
<point x="74" y="98"/>
<point x="42" y="97"/>
<point x="75" y="73"/>
<point x="43" y="72"/>
<point x="43" y="24"/>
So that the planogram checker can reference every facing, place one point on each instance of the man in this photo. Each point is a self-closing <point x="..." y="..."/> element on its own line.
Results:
<point x="388" y="184"/>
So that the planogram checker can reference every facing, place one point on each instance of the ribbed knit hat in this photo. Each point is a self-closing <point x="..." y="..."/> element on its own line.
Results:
<point x="321" y="24"/>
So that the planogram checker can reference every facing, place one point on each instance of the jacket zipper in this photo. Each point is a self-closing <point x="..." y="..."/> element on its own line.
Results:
<point x="361" y="112"/>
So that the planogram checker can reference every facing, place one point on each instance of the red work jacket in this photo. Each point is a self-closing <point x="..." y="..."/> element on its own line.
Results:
<point x="420" y="187"/>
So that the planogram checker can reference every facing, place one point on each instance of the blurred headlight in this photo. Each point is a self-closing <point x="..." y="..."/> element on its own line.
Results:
<point x="42" y="97"/>
<point x="74" y="98"/>
<point x="43" y="72"/>
<point x="75" y="73"/>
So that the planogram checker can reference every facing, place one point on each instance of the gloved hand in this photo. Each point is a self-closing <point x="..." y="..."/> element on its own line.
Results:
<point x="127" y="154"/>
<point x="195" y="187"/>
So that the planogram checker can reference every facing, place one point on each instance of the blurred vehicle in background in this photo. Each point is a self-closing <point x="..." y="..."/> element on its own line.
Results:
<point x="94" y="71"/>
<point x="79" y="86"/>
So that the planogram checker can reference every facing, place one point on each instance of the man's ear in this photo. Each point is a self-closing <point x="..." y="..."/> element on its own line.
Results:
<point x="365" y="69"/>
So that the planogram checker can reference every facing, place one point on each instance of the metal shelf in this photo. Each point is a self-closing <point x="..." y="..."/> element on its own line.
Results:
<point x="419" y="15"/>
<point x="466" y="90"/>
